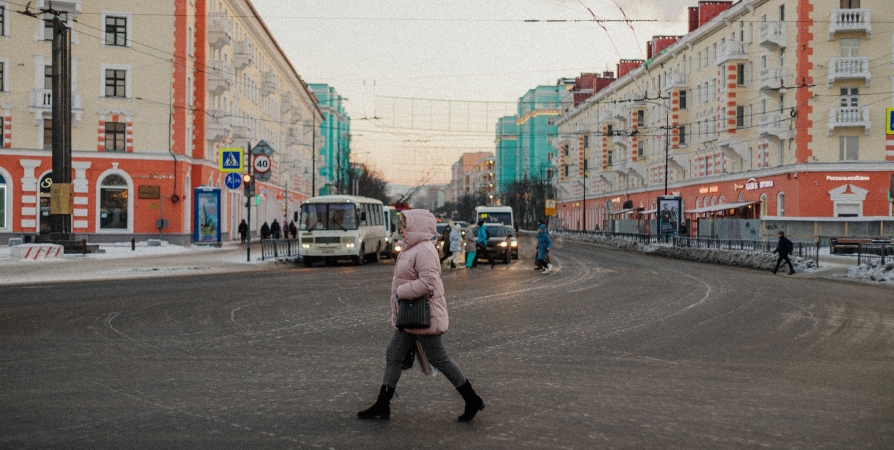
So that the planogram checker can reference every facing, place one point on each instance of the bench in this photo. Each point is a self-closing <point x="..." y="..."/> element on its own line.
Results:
<point x="850" y="244"/>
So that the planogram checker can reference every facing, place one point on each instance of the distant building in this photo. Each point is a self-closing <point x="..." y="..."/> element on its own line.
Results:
<point x="335" y="154"/>
<point x="472" y="174"/>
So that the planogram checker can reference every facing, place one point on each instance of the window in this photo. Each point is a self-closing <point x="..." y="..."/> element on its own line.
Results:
<point x="740" y="116"/>
<point x="850" y="4"/>
<point x="48" y="77"/>
<point x="115" y="136"/>
<point x="848" y="148"/>
<point x="682" y="134"/>
<point x="740" y="74"/>
<point x="609" y="159"/>
<point x="2" y="202"/>
<point x="640" y="118"/>
<point x="608" y="131"/>
<point x="2" y="134"/>
<point x="47" y="133"/>
<point x="3" y="20"/>
<point x="683" y="101"/>
<point x="115" y="83"/>
<point x="48" y="24"/>
<point x="849" y="97"/>
<point x="586" y="142"/>
<point x="2" y="77"/>
<point x="116" y="31"/>
<point x="782" y="17"/>
<point x="640" y="148"/>
<point x="113" y="203"/>
<point x="850" y="48"/>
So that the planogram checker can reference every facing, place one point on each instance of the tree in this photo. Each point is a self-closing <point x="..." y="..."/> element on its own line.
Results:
<point x="466" y="206"/>
<point x="369" y="182"/>
<point x="527" y="199"/>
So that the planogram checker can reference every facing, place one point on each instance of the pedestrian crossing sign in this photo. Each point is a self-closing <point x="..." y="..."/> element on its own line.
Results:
<point x="889" y="121"/>
<point x="232" y="160"/>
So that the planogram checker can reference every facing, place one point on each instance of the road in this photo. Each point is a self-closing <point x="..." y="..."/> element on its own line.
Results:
<point x="612" y="350"/>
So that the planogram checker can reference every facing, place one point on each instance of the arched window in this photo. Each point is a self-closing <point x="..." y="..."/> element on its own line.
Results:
<point x="698" y="202"/>
<point x="722" y="200"/>
<point x="113" y="196"/>
<point x="3" y="221"/>
<point x="780" y="204"/>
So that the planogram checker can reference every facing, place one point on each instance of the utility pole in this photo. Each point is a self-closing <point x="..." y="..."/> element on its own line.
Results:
<point x="60" y="191"/>
<point x="249" y="163"/>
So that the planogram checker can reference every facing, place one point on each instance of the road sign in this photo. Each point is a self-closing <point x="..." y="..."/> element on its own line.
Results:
<point x="549" y="207"/>
<point x="262" y="163"/>
<point x="233" y="180"/>
<point x="889" y="121"/>
<point x="231" y="160"/>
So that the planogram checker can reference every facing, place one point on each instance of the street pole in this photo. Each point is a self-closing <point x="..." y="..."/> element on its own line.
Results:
<point x="666" y="145"/>
<point x="60" y="191"/>
<point x="313" y="155"/>
<point x="248" y="206"/>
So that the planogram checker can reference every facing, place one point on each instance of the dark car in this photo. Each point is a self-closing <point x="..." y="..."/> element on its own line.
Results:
<point x="513" y="242"/>
<point x="498" y="242"/>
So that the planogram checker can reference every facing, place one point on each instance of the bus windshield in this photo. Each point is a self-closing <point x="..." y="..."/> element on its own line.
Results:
<point x="496" y="217"/>
<point x="328" y="216"/>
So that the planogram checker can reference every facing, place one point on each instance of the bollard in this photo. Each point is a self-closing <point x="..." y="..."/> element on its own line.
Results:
<point x="83" y="246"/>
<point x="133" y="244"/>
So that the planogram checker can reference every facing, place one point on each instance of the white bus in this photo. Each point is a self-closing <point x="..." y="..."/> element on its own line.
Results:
<point x="495" y="214"/>
<point x="334" y="227"/>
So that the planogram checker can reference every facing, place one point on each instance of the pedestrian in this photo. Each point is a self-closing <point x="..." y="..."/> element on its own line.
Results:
<point x="481" y="247"/>
<point x="293" y="229"/>
<point x="275" y="229"/>
<point x="243" y="231"/>
<point x="470" y="243"/>
<point x="445" y="243"/>
<point x="544" y="243"/>
<point x="784" y="247"/>
<point x="456" y="244"/>
<point x="265" y="231"/>
<point x="417" y="273"/>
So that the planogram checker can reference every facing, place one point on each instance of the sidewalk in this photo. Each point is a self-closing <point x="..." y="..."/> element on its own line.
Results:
<point x="120" y="262"/>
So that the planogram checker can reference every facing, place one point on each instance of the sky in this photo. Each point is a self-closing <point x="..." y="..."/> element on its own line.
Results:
<point x="426" y="81"/>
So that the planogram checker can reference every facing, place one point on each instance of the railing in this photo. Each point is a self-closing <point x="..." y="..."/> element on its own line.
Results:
<point x="772" y="33"/>
<point x="856" y="67"/>
<point x="771" y="77"/>
<point x="280" y="249"/>
<point x="856" y="116"/>
<point x="731" y="50"/>
<point x="868" y="253"/>
<point x="850" y="20"/>
<point x="774" y="124"/>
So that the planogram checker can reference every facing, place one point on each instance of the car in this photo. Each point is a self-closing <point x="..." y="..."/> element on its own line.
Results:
<point x="498" y="242"/>
<point x="513" y="242"/>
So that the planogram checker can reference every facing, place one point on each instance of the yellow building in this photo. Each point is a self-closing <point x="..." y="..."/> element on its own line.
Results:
<point x="158" y="88"/>
<point x="765" y="108"/>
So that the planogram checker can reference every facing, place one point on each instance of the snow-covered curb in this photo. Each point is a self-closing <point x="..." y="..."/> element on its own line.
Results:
<point x="873" y="273"/>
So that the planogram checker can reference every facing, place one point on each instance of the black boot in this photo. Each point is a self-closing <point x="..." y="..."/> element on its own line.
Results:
<point x="473" y="402"/>
<point x="382" y="408"/>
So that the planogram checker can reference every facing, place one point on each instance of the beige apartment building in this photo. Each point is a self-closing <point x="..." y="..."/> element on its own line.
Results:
<point x="158" y="88"/>
<point x="764" y="109"/>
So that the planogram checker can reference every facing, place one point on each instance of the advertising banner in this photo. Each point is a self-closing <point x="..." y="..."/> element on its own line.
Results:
<point x="669" y="209"/>
<point x="206" y="215"/>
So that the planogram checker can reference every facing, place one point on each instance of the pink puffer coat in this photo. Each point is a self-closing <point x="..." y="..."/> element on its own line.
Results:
<point x="418" y="271"/>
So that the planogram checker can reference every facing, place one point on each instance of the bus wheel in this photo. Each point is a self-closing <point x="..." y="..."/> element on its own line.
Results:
<point x="360" y="259"/>
<point x="375" y="257"/>
<point x="308" y="261"/>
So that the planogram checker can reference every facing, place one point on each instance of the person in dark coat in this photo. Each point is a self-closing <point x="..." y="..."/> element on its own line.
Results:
<point x="265" y="231"/>
<point x="784" y="247"/>
<point x="275" y="229"/>
<point x="243" y="231"/>
<point x="293" y="229"/>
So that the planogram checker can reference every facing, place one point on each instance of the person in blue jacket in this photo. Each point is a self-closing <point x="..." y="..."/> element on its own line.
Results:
<point x="543" y="245"/>
<point x="481" y="246"/>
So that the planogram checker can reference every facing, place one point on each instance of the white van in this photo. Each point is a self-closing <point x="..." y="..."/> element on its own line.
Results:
<point x="495" y="214"/>
<point x="334" y="227"/>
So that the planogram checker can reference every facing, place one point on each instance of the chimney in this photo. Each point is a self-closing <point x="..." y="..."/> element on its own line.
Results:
<point x="693" y="18"/>
<point x="649" y="50"/>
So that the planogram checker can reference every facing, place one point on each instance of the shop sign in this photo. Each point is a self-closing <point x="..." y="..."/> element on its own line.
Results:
<point x="616" y="200"/>
<point x="753" y="184"/>
<point x="708" y="189"/>
<point x="847" y="178"/>
<point x="149" y="192"/>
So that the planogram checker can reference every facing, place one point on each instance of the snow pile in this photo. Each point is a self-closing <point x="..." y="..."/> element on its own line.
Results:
<point x="873" y="272"/>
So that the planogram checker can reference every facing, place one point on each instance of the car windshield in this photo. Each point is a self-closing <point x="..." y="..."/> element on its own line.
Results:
<point x="328" y="216"/>
<point x="496" y="232"/>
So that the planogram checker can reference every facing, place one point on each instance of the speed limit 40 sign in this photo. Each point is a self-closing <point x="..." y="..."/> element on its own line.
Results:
<point x="261" y="163"/>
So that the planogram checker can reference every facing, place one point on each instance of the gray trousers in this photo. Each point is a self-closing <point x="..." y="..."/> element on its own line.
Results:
<point x="400" y="344"/>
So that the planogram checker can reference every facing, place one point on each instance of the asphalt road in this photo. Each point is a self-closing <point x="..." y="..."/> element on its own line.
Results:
<point x="612" y="350"/>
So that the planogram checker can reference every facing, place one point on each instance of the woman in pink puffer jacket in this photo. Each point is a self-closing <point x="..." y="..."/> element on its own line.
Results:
<point x="417" y="273"/>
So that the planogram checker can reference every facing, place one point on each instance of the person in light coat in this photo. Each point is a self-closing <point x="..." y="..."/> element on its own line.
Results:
<point x="456" y="244"/>
<point x="417" y="273"/>
<point x="471" y="241"/>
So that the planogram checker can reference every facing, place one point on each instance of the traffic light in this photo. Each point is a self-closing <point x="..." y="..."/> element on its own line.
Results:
<point x="248" y="182"/>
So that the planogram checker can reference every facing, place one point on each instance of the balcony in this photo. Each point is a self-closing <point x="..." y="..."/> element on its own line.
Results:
<point x="731" y="50"/>
<point x="771" y="78"/>
<point x="620" y="111"/>
<point x="220" y="29"/>
<point x="775" y="125"/>
<point x="676" y="80"/>
<point x="620" y="139"/>
<point x="851" y="116"/>
<point x="854" y="68"/>
<point x="268" y="82"/>
<point x="218" y="126"/>
<point x="220" y="78"/>
<point x="240" y="132"/>
<point x="845" y="20"/>
<point x="772" y="35"/>
<point x="243" y="54"/>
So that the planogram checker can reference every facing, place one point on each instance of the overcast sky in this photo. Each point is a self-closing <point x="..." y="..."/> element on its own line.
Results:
<point x="425" y="81"/>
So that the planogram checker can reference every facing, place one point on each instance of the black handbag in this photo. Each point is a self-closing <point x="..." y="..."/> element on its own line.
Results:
<point x="413" y="313"/>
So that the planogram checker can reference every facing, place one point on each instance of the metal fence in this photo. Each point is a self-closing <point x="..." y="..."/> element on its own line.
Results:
<point x="279" y="249"/>
<point x="869" y="253"/>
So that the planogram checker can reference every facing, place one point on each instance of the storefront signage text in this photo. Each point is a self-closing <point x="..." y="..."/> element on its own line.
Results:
<point x="708" y="189"/>
<point x="156" y="176"/>
<point x="847" y="178"/>
<point x="753" y="184"/>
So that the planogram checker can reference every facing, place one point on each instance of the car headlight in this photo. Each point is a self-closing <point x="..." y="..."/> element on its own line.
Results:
<point x="349" y="245"/>
<point x="397" y="248"/>
<point x="514" y="244"/>
<point x="503" y="244"/>
<point x="305" y="245"/>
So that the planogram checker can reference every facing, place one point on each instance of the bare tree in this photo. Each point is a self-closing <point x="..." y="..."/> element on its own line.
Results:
<point x="368" y="182"/>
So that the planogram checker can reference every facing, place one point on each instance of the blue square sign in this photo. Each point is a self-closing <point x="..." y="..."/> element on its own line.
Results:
<point x="232" y="160"/>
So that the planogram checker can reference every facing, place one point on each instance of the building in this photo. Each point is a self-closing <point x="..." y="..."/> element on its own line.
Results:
<point x="335" y="166"/>
<point x="764" y="109"/>
<point x="465" y="175"/>
<point x="158" y="88"/>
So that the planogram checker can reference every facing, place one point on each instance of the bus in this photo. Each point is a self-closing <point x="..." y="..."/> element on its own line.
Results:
<point x="392" y="223"/>
<point x="495" y="214"/>
<point x="336" y="227"/>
